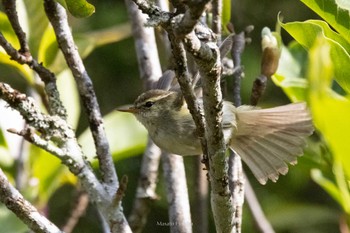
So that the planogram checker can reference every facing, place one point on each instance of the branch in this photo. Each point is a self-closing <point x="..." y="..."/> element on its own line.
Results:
<point x="11" y="12"/>
<point x="55" y="129"/>
<point x="208" y="60"/>
<point x="55" y="105"/>
<point x="146" y="47"/>
<point x="185" y="83"/>
<point x="58" y="18"/>
<point x="77" y="212"/>
<point x="254" y="206"/>
<point x="23" y="209"/>
<point x="216" y="23"/>
<point x="177" y="194"/>
<point x="237" y="184"/>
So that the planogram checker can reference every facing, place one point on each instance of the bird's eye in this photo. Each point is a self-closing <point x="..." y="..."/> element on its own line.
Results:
<point x="149" y="104"/>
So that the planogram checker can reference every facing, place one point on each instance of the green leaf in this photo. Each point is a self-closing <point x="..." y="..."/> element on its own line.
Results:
<point x="326" y="184"/>
<point x="290" y="72"/>
<point x="330" y="111"/>
<point x="69" y="96"/>
<point x="126" y="136"/>
<point x="337" y="15"/>
<point x="37" y="23"/>
<point x="307" y="32"/>
<point x="10" y="36"/>
<point x="226" y="14"/>
<point x="78" y="8"/>
<point x="48" y="51"/>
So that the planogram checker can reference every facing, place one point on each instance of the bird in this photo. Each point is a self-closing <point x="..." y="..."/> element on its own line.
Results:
<point x="267" y="140"/>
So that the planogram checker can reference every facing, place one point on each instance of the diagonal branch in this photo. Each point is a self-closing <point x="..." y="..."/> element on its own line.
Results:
<point x="58" y="18"/>
<point x="11" y="12"/>
<point x="58" y="131"/>
<point x="55" y="105"/>
<point x="23" y="209"/>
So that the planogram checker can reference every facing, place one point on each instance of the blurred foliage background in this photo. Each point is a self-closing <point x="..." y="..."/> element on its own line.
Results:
<point x="296" y="203"/>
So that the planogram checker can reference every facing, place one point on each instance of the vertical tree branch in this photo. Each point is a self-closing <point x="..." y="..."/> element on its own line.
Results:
<point x="23" y="209"/>
<point x="216" y="24"/>
<point x="146" y="47"/>
<point x="237" y="181"/>
<point x="177" y="194"/>
<point x="58" y="18"/>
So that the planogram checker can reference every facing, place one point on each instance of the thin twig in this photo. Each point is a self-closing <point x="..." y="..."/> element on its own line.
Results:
<point x="55" y="105"/>
<point x="256" y="210"/>
<point x="216" y="23"/>
<point x="185" y="83"/>
<point x="77" y="212"/>
<point x="58" y="18"/>
<point x="11" y="12"/>
<point x="236" y="178"/>
<point x="14" y="201"/>
<point x="66" y="148"/>
<point x="177" y="194"/>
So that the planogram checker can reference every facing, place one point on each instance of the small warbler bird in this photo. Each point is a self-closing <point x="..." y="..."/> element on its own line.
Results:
<point x="266" y="139"/>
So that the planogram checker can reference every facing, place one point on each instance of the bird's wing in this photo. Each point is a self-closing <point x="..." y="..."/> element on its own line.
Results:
<point x="268" y="139"/>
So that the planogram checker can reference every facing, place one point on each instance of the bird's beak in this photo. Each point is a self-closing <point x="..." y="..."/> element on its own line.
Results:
<point x="130" y="110"/>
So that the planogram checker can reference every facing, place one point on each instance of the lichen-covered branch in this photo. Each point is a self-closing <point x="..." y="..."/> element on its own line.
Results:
<point x="25" y="211"/>
<point x="58" y="19"/>
<point x="67" y="149"/>
<point x="52" y="128"/>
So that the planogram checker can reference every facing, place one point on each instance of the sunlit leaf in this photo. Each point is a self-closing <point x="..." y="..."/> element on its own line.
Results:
<point x="330" y="111"/>
<point x="78" y="8"/>
<point x="8" y="33"/>
<point x="290" y="72"/>
<point x="37" y="24"/>
<point x="333" y="13"/>
<point x="48" y="49"/>
<point x="126" y="136"/>
<point x="307" y="32"/>
<point x="226" y="13"/>
<point x="69" y="96"/>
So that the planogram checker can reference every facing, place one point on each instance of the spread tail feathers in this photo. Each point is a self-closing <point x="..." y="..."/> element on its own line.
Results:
<point x="268" y="139"/>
